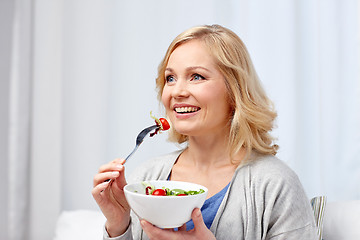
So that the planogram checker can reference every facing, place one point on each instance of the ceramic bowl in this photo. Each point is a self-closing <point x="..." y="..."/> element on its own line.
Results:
<point x="164" y="211"/>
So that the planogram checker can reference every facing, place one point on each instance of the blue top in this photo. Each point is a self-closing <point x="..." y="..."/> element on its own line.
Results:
<point x="209" y="209"/>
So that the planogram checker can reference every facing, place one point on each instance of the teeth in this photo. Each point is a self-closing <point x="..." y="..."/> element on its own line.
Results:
<point x="186" y="109"/>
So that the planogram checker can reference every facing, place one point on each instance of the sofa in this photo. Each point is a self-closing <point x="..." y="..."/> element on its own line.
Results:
<point x="339" y="220"/>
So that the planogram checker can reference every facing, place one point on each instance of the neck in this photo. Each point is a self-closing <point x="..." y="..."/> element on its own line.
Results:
<point x="206" y="161"/>
<point x="208" y="151"/>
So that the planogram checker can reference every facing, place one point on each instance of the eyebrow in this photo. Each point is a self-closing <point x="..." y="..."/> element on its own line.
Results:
<point x="189" y="69"/>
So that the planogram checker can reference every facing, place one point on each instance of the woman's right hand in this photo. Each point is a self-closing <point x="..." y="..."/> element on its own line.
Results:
<point x="110" y="196"/>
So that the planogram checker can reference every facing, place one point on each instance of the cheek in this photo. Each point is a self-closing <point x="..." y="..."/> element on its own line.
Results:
<point x="220" y="100"/>
<point x="165" y="98"/>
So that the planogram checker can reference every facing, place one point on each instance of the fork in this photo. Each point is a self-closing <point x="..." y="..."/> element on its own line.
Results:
<point x="140" y="138"/>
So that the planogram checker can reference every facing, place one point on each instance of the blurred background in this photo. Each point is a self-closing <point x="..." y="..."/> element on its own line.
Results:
<point x="77" y="84"/>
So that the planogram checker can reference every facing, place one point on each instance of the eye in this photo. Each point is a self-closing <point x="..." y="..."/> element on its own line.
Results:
<point x="197" y="77"/>
<point x="170" y="79"/>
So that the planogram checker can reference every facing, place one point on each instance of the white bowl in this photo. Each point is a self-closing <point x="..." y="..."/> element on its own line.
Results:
<point x="164" y="211"/>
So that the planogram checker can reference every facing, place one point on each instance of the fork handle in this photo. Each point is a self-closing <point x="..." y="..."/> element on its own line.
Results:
<point x="136" y="147"/>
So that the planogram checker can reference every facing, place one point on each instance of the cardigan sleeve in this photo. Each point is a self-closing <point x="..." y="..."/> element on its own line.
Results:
<point x="286" y="210"/>
<point x="125" y="236"/>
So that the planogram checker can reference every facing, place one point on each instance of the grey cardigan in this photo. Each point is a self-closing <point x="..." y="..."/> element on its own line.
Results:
<point x="265" y="200"/>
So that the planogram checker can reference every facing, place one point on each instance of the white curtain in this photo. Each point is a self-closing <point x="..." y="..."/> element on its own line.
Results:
<point x="17" y="122"/>
<point x="81" y="86"/>
<point x="31" y="120"/>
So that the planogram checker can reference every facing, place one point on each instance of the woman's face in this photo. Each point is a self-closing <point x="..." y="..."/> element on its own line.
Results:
<point x="195" y="95"/>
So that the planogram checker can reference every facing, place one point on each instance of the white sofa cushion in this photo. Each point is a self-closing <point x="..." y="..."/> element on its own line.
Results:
<point x="342" y="220"/>
<point x="80" y="224"/>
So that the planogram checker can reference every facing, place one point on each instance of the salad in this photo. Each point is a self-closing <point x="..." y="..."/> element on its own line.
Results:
<point x="151" y="190"/>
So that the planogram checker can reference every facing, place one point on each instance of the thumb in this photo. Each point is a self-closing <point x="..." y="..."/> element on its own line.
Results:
<point x="198" y="219"/>
<point x="200" y="229"/>
<point x="120" y="180"/>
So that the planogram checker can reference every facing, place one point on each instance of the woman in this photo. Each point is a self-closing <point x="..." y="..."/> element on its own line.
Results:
<point x="216" y="105"/>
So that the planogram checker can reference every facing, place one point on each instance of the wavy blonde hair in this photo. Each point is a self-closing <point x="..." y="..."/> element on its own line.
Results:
<point x="253" y="112"/>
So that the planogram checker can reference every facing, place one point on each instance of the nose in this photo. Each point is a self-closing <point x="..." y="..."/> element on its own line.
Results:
<point x="180" y="89"/>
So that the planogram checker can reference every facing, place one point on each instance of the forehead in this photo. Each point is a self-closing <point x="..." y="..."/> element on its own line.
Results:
<point x="193" y="52"/>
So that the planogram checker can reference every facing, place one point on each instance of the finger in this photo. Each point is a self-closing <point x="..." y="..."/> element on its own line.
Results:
<point x="154" y="232"/>
<point x="117" y="197"/>
<point x="116" y="190"/>
<point x="119" y="160"/>
<point x="98" y="189"/>
<point x="120" y="181"/>
<point x="102" y="177"/>
<point x="198" y="220"/>
<point x="149" y="229"/>
<point x="112" y="166"/>
<point x="118" y="184"/>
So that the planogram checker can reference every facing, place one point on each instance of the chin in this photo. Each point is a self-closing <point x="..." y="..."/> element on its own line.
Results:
<point x="183" y="130"/>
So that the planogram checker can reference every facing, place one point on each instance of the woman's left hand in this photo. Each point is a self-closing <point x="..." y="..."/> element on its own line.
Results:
<point x="199" y="232"/>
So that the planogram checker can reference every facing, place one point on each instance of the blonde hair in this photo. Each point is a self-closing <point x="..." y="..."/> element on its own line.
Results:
<point x="253" y="112"/>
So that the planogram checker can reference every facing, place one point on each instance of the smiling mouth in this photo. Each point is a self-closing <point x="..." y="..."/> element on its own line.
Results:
<point x="186" y="109"/>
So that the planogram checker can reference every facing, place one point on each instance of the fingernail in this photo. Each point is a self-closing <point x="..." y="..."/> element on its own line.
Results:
<point x="115" y="174"/>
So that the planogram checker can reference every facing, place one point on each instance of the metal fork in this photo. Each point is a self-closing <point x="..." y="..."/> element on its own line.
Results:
<point x="140" y="138"/>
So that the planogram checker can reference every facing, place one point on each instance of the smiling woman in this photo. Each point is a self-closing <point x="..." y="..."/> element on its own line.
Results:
<point x="215" y="104"/>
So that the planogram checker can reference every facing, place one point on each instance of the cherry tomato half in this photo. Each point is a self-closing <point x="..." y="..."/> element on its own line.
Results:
<point x="159" y="192"/>
<point x="181" y="194"/>
<point x="165" y="124"/>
